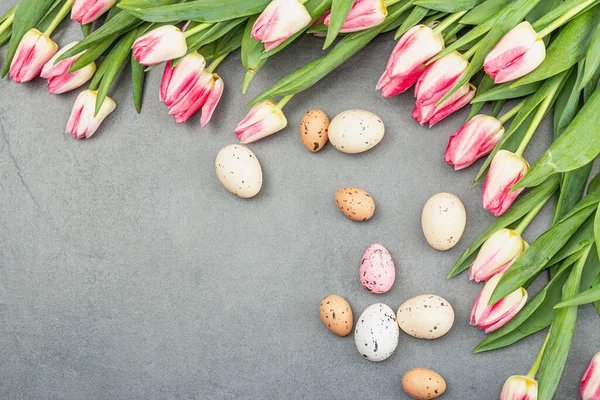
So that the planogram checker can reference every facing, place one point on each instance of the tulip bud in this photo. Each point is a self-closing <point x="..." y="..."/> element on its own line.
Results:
<point x="161" y="44"/>
<point x="407" y="61"/>
<point x="86" y="11"/>
<point x="497" y="254"/>
<point x="364" y="14"/>
<point x="490" y="318"/>
<point x="279" y="21"/>
<point x="519" y="387"/>
<point x="432" y="114"/>
<point x="518" y="53"/>
<point x="82" y="122"/>
<point x="506" y="169"/>
<point x="264" y="119"/>
<point x="178" y="81"/>
<point x="475" y="139"/>
<point x="59" y="78"/>
<point x="590" y="383"/>
<point x="34" y="50"/>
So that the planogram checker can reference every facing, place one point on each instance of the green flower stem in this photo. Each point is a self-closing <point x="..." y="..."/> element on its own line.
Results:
<point x="449" y="21"/>
<point x="215" y="63"/>
<point x="7" y="22"/>
<point x="538" y="360"/>
<point x="196" y="29"/>
<point x="391" y="2"/>
<point x="563" y="19"/>
<point x="537" y="119"/>
<point x="471" y="51"/>
<point x="284" y="101"/>
<point x="511" y="113"/>
<point x="530" y="216"/>
<point x="62" y="13"/>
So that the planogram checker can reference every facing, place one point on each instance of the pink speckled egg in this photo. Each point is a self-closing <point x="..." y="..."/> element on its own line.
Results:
<point x="377" y="270"/>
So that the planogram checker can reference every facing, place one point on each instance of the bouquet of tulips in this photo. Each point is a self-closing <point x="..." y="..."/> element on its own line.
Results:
<point x="539" y="56"/>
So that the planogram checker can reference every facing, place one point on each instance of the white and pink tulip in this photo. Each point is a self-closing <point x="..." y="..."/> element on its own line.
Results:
<point x="590" y="383"/>
<point x="475" y="139"/>
<point x="407" y="62"/>
<point x="161" y="44"/>
<point x="264" y="119"/>
<point x="86" y="11"/>
<point x="364" y="14"/>
<point x="33" y="52"/>
<point x="490" y="318"/>
<point x="519" y="387"/>
<point x="82" y="122"/>
<point x="279" y="21"/>
<point x="506" y="170"/>
<point x="58" y="76"/>
<point x="497" y="254"/>
<point x="518" y="53"/>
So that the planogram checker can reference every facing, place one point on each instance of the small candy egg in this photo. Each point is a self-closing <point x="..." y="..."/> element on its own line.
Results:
<point x="443" y="220"/>
<point x="355" y="203"/>
<point x="376" y="333"/>
<point x="355" y="131"/>
<point x="423" y="384"/>
<point x="426" y="316"/>
<point x="313" y="130"/>
<point x="377" y="270"/>
<point x="336" y="315"/>
<point x="239" y="171"/>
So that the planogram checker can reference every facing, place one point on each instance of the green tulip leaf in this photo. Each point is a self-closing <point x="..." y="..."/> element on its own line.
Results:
<point x="483" y="12"/>
<point x="448" y="6"/>
<point x="252" y="49"/>
<point x="339" y="12"/>
<point x="486" y="84"/>
<point x="559" y="11"/>
<point x="137" y="83"/>
<point x="93" y="53"/>
<point x="504" y="92"/>
<point x="415" y="16"/>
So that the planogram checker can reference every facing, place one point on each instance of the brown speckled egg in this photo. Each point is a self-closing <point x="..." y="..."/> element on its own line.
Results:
<point x="336" y="315"/>
<point x="423" y="384"/>
<point x="426" y="317"/>
<point x="314" y="130"/>
<point x="355" y="203"/>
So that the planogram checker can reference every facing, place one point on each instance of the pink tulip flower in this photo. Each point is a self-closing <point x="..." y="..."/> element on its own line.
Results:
<point x="518" y="53"/>
<point x="86" y="11"/>
<point x="364" y="14"/>
<point x="497" y="254"/>
<point x="432" y="114"/>
<point x="59" y="78"/>
<point x="280" y="20"/>
<point x="475" y="139"/>
<point x="590" y="384"/>
<point x="519" y="387"/>
<point x="264" y="119"/>
<point x="190" y="87"/>
<point x="161" y="44"/>
<point x="506" y="169"/>
<point x="407" y="61"/>
<point x="82" y="122"/>
<point x="490" y="318"/>
<point x="34" y="50"/>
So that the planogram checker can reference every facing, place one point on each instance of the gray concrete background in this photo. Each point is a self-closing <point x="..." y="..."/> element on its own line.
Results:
<point x="128" y="272"/>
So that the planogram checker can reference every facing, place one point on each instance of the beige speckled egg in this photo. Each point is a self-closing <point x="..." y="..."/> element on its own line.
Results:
<point x="426" y="317"/>
<point x="239" y="171"/>
<point x="423" y="384"/>
<point x="336" y="315"/>
<point x="314" y="128"/>
<point x="355" y="203"/>
<point x="355" y="131"/>
<point x="443" y="220"/>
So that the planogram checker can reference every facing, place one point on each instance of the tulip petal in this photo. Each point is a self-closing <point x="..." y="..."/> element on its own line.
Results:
<point x="211" y="102"/>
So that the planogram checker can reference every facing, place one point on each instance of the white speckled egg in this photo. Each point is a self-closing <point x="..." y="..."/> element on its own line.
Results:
<point x="355" y="131"/>
<point x="426" y="316"/>
<point x="377" y="270"/>
<point x="443" y="220"/>
<point x="239" y="171"/>
<point x="376" y="333"/>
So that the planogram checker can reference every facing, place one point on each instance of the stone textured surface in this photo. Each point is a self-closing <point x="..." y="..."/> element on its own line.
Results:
<point x="128" y="272"/>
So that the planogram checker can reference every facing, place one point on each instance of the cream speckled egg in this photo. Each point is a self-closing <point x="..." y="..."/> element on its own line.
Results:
<point x="376" y="333"/>
<point x="355" y="131"/>
<point x="239" y="171"/>
<point x="377" y="270"/>
<point x="336" y="315"/>
<point x="426" y="317"/>
<point x="443" y="220"/>
<point x="423" y="384"/>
